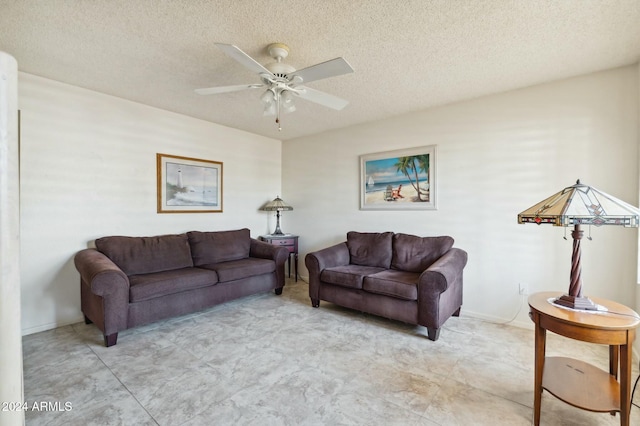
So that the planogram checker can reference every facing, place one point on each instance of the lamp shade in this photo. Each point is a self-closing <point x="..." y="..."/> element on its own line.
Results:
<point x="581" y="204"/>
<point x="277" y="205"/>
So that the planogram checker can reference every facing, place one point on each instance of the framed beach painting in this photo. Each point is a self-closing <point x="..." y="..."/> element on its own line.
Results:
<point x="403" y="179"/>
<point x="188" y="185"/>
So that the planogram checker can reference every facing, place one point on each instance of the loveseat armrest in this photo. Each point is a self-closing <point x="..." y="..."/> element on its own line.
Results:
<point x="443" y="272"/>
<point x="440" y="291"/>
<point x="316" y="262"/>
<point x="104" y="293"/>
<point x="336" y="255"/>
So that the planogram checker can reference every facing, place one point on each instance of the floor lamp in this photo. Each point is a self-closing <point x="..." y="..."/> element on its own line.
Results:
<point x="578" y="205"/>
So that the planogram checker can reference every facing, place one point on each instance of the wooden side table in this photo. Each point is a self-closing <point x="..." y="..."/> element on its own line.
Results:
<point x="576" y="382"/>
<point x="288" y="241"/>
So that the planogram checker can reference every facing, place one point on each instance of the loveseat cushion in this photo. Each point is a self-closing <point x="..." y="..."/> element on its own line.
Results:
<point x="150" y="286"/>
<point x="416" y="254"/>
<point x="243" y="268"/>
<point x="400" y="284"/>
<point x="350" y="276"/>
<point x="214" y="247"/>
<point x="370" y="248"/>
<point x="142" y="255"/>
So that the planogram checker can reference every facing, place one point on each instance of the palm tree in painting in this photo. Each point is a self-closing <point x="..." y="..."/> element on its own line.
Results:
<point x="412" y="165"/>
<point x="423" y="160"/>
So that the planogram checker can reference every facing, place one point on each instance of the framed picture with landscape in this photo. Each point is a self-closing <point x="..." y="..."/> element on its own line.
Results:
<point x="403" y="179"/>
<point x="188" y="185"/>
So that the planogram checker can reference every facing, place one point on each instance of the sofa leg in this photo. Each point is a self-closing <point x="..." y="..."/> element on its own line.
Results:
<point x="111" y="339"/>
<point x="279" y="290"/>
<point x="457" y="313"/>
<point x="433" y="333"/>
<point x="87" y="320"/>
<point x="315" y="303"/>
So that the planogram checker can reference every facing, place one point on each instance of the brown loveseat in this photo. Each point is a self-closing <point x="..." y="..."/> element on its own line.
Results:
<point x="130" y="281"/>
<point x="417" y="280"/>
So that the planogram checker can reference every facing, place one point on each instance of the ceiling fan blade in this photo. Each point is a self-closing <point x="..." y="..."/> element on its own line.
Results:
<point x="227" y="89"/>
<point x="246" y="60"/>
<point x="321" y="98"/>
<point x="332" y="68"/>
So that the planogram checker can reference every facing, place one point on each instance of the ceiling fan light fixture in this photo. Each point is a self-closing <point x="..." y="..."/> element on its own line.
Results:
<point x="268" y="98"/>
<point x="286" y="101"/>
<point x="270" y="111"/>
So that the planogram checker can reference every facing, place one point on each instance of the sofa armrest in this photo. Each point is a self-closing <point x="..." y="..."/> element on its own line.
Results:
<point x="279" y="255"/>
<point x="104" y="293"/>
<point x="265" y="250"/>
<point x="103" y="277"/>
<point x="316" y="262"/>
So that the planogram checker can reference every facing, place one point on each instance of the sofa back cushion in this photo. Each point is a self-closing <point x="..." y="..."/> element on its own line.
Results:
<point x="370" y="248"/>
<point x="143" y="255"/>
<point x="415" y="254"/>
<point x="221" y="246"/>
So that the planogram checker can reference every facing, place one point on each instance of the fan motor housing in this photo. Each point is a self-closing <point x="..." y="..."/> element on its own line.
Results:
<point x="279" y="51"/>
<point x="280" y="69"/>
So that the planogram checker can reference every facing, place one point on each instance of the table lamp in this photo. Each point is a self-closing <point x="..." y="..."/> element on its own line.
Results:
<point x="577" y="205"/>
<point x="277" y="205"/>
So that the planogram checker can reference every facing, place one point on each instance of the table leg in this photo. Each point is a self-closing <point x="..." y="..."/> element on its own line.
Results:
<point x="540" y="342"/>
<point x="296" y="258"/>
<point x="625" y="382"/>
<point x="614" y="359"/>
<point x="614" y="350"/>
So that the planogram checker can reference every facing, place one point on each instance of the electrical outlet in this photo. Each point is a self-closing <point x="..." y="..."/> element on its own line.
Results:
<point x="523" y="289"/>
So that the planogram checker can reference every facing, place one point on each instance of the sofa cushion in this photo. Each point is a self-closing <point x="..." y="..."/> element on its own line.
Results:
<point x="243" y="268"/>
<point x="215" y="247"/>
<point x="141" y="255"/>
<point x="370" y="249"/>
<point x="348" y="276"/>
<point x="400" y="284"/>
<point x="415" y="254"/>
<point x="150" y="286"/>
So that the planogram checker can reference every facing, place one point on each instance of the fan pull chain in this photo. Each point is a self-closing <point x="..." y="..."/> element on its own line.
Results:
<point x="278" y="110"/>
<point x="565" y="233"/>
<point x="589" y="237"/>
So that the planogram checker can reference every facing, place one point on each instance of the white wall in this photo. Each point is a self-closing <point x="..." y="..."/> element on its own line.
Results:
<point x="497" y="156"/>
<point x="88" y="169"/>
<point x="637" y="343"/>
<point x="11" y="388"/>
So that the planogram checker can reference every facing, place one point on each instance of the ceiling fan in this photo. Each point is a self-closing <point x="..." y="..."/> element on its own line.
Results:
<point x="282" y="81"/>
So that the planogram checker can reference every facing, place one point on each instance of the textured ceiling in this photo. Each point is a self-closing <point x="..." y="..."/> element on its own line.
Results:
<point x="407" y="54"/>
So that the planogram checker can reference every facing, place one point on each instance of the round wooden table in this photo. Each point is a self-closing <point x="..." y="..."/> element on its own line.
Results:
<point x="576" y="382"/>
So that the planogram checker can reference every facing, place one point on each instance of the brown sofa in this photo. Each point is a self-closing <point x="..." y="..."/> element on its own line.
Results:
<point x="130" y="281"/>
<point x="417" y="280"/>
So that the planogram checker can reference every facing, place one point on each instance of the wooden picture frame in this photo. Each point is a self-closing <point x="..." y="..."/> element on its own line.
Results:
<point x="403" y="179"/>
<point x="188" y="185"/>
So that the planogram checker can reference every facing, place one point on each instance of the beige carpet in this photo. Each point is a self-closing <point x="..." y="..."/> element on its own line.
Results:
<point x="275" y="360"/>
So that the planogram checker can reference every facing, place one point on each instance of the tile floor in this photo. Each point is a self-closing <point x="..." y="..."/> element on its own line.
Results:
<point x="269" y="360"/>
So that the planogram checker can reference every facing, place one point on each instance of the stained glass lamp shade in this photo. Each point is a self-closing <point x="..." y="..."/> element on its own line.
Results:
<point x="578" y="205"/>
<point x="277" y="205"/>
